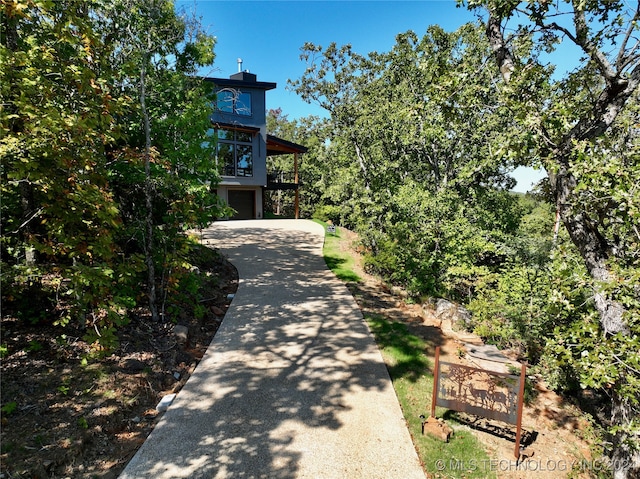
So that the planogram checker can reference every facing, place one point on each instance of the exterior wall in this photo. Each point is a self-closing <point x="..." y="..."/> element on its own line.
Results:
<point x="257" y="120"/>
<point x="244" y="82"/>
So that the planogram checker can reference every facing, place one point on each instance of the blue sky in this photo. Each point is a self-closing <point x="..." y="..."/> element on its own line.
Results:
<point x="268" y="35"/>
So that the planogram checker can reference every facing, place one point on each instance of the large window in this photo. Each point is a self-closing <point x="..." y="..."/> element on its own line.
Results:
<point x="234" y="153"/>
<point x="234" y="101"/>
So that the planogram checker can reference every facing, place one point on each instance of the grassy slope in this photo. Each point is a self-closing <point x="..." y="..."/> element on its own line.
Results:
<point x="410" y="371"/>
<point x="337" y="260"/>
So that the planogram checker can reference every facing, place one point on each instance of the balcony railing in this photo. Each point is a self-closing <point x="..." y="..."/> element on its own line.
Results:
<point x="282" y="180"/>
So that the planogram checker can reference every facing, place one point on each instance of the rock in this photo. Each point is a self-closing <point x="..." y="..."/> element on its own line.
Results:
<point x="464" y="320"/>
<point x="165" y="402"/>
<point x="444" y="308"/>
<point x="459" y="316"/>
<point x="437" y="428"/>
<point x="133" y="365"/>
<point x="217" y="311"/>
<point x="181" y="333"/>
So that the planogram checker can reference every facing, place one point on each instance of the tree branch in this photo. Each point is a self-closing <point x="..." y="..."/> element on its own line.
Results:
<point x="27" y="221"/>
<point x="583" y="41"/>
<point x="606" y="108"/>
<point x="620" y="61"/>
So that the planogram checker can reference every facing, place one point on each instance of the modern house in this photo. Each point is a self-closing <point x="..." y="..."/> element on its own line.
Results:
<point x="239" y="123"/>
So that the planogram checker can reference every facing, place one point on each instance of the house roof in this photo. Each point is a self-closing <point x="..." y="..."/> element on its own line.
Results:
<point x="278" y="146"/>
<point x="242" y="80"/>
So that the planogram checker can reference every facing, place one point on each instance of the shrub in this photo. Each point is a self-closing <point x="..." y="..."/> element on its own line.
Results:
<point x="328" y="213"/>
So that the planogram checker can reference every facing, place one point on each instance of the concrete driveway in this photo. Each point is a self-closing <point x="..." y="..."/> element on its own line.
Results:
<point x="292" y="386"/>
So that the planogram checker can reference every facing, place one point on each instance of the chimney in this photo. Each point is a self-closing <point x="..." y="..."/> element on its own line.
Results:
<point x="243" y="75"/>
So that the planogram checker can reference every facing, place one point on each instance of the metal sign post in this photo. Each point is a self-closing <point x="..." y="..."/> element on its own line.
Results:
<point x="523" y="370"/>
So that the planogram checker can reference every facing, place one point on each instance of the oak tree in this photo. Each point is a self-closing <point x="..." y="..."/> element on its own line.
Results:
<point x="571" y="119"/>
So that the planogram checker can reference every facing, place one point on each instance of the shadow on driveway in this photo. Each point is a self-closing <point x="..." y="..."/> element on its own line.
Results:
<point x="292" y="385"/>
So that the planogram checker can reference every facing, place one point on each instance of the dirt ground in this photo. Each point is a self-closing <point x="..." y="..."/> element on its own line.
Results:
<point x="65" y="417"/>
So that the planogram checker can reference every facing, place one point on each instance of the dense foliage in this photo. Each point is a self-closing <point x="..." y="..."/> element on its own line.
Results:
<point x="416" y="157"/>
<point x="106" y="162"/>
<point x="411" y="164"/>
<point x="104" y="157"/>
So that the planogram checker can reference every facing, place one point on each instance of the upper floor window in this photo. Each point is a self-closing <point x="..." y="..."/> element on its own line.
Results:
<point x="234" y="101"/>
<point x="234" y="153"/>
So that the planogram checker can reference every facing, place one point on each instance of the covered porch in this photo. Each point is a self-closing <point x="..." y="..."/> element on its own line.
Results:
<point x="285" y="180"/>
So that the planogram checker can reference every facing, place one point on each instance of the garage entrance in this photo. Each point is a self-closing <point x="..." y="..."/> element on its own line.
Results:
<point x="244" y="202"/>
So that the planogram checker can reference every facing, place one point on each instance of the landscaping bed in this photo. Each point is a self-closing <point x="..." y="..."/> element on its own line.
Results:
<point x="558" y="434"/>
<point x="68" y="412"/>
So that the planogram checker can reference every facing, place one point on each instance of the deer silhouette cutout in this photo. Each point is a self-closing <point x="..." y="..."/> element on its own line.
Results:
<point x="479" y="395"/>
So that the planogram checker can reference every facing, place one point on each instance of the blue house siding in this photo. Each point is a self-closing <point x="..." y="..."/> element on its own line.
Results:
<point x="241" y="113"/>
<point x="233" y="112"/>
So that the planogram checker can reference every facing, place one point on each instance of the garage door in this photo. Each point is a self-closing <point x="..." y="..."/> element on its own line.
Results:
<point x="244" y="202"/>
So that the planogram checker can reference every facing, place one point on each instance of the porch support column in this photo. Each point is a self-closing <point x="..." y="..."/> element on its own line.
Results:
<point x="295" y="180"/>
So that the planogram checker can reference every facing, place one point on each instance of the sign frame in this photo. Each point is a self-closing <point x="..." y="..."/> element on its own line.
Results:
<point x="454" y="388"/>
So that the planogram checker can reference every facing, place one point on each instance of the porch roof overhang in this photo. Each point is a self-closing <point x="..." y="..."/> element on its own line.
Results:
<point x="278" y="146"/>
<point x="235" y="127"/>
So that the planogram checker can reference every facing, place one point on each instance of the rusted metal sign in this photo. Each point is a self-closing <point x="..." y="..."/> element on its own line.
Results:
<point x="479" y="392"/>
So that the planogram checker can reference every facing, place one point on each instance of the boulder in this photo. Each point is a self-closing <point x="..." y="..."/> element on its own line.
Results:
<point x="458" y="316"/>
<point x="437" y="428"/>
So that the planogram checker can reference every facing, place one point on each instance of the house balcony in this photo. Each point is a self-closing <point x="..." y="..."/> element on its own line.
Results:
<point x="282" y="180"/>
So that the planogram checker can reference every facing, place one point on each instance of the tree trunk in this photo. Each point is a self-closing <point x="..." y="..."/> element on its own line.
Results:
<point x="592" y="247"/>
<point x="503" y="55"/>
<point x="595" y="252"/>
<point x="625" y="459"/>
<point x="362" y="163"/>
<point x="148" y="193"/>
